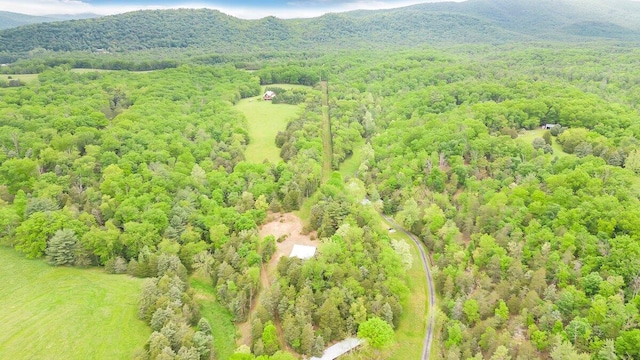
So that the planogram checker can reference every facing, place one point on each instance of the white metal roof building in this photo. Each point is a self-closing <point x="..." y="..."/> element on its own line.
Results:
<point x="303" y="251"/>
<point x="339" y="349"/>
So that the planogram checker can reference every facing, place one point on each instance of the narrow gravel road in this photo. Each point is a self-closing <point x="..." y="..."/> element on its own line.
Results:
<point x="428" y="336"/>
<point x="327" y="154"/>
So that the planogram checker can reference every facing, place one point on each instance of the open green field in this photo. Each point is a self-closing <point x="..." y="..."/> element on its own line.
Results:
<point x="221" y="321"/>
<point x="349" y="167"/>
<point x="31" y="77"/>
<point x="410" y="333"/>
<point x="529" y="135"/>
<point x="89" y="70"/>
<point x="67" y="313"/>
<point x="22" y="77"/>
<point x="288" y="86"/>
<point x="265" y="120"/>
<point x="83" y="70"/>
<point x="327" y="137"/>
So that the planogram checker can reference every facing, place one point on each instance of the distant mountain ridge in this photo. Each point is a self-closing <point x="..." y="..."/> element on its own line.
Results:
<point x="473" y="21"/>
<point x="543" y="17"/>
<point x="10" y="20"/>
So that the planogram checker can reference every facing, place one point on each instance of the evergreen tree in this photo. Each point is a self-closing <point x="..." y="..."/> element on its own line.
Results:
<point x="61" y="248"/>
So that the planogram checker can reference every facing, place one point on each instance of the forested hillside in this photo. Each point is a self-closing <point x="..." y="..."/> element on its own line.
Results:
<point x="531" y="258"/>
<point x="10" y="19"/>
<point x="213" y="31"/>
<point x="144" y="174"/>
<point x="546" y="18"/>
<point x="533" y="233"/>
<point x="476" y="21"/>
<point x="517" y="166"/>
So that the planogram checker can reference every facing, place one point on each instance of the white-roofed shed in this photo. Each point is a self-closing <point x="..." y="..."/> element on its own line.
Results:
<point x="303" y="251"/>
<point x="339" y="349"/>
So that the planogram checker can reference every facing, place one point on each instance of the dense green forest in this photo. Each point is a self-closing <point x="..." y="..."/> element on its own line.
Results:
<point x="536" y="253"/>
<point x="204" y="31"/>
<point x="144" y="173"/>
<point x="516" y="165"/>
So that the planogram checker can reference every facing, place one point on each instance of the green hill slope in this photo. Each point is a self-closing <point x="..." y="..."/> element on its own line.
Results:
<point x="473" y="21"/>
<point x="66" y="313"/>
<point x="548" y="19"/>
<point x="10" y="19"/>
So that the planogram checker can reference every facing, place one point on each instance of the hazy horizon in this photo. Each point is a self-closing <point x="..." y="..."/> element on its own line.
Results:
<point x="248" y="9"/>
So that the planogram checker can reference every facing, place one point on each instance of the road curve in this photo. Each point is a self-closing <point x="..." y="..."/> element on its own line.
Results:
<point x="327" y="145"/>
<point x="428" y="336"/>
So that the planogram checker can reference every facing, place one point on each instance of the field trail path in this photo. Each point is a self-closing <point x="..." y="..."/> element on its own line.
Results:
<point x="264" y="121"/>
<point x="327" y="138"/>
<point x="289" y="227"/>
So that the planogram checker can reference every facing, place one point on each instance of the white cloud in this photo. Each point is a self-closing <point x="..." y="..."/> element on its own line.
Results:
<point x="296" y="9"/>
<point x="48" y="7"/>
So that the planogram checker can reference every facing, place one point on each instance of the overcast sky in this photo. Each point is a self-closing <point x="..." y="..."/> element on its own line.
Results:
<point x="248" y="9"/>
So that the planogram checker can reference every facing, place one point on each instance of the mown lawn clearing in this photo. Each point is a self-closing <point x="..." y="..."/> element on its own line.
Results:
<point x="529" y="135"/>
<point x="265" y="120"/>
<point x="221" y="321"/>
<point x="67" y="313"/>
<point x="89" y="70"/>
<point x="288" y="86"/>
<point x="410" y="333"/>
<point x="26" y="78"/>
<point x="349" y="167"/>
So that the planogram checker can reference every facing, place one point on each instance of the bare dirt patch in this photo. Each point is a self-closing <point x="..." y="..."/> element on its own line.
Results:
<point x="288" y="225"/>
<point x="279" y="225"/>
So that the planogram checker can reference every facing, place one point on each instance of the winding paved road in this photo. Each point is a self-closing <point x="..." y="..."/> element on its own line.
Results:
<point x="428" y="336"/>
<point x="327" y="162"/>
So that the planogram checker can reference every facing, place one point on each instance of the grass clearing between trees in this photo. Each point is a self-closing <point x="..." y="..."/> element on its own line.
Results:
<point x="409" y="335"/>
<point x="349" y="167"/>
<point x="22" y="77"/>
<point x="327" y="137"/>
<point x="287" y="87"/>
<point x="27" y="78"/>
<point x="90" y="70"/>
<point x="529" y="135"/>
<point x="265" y="120"/>
<point x="223" y="329"/>
<point x="67" y="313"/>
<point x="410" y="332"/>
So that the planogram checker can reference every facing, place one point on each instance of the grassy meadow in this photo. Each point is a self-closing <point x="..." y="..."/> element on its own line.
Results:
<point x="92" y="70"/>
<point x="265" y="120"/>
<point x="529" y="135"/>
<point x="349" y="167"/>
<point x="27" y="78"/>
<point x="67" y="313"/>
<point x="22" y="77"/>
<point x="410" y="333"/>
<point x="413" y="323"/>
<point x="221" y="321"/>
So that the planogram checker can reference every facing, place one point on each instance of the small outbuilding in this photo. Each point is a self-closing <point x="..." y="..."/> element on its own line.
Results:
<point x="269" y="95"/>
<point x="549" y="126"/>
<point x="303" y="252"/>
<point x="339" y="349"/>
